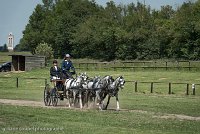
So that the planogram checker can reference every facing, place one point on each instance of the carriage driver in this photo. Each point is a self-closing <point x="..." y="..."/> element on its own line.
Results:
<point x="55" y="72"/>
<point x="67" y="66"/>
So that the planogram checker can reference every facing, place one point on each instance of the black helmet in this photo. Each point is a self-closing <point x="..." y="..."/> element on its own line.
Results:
<point x="55" y="61"/>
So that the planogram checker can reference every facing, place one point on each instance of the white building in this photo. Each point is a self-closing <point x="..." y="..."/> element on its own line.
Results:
<point x="10" y="43"/>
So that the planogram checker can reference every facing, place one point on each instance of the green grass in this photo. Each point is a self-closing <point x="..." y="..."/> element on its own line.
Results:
<point x="159" y="101"/>
<point x="148" y="121"/>
<point x="91" y="121"/>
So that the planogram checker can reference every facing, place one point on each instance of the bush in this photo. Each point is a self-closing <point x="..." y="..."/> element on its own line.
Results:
<point x="44" y="49"/>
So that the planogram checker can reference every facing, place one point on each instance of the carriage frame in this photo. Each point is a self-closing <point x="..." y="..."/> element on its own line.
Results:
<point x="51" y="95"/>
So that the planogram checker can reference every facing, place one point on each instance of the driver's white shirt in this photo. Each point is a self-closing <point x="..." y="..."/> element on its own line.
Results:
<point x="56" y="68"/>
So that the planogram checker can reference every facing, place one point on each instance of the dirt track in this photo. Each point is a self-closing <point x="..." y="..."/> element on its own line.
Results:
<point x="154" y="115"/>
<point x="22" y="102"/>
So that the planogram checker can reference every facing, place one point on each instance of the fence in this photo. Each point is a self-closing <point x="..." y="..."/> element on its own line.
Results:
<point x="16" y="82"/>
<point x="189" y="65"/>
<point x="138" y="86"/>
<point x="188" y="87"/>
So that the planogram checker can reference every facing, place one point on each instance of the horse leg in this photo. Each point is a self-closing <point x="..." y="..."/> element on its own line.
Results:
<point x="97" y="98"/>
<point x="80" y="100"/>
<point x="94" y="101"/>
<point x="68" y="98"/>
<point x="117" y="99"/>
<point x="85" y="98"/>
<point x="107" y="102"/>
<point x="102" y="100"/>
<point x="74" y="96"/>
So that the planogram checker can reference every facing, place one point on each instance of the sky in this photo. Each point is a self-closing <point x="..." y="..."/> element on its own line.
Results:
<point x="14" y="14"/>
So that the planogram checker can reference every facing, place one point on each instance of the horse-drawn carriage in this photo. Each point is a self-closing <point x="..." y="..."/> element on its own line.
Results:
<point x="51" y="95"/>
<point x="64" y="88"/>
<point x="82" y="88"/>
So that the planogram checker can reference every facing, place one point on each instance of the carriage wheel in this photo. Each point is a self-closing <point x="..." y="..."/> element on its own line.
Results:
<point x="47" y="98"/>
<point x="54" y="98"/>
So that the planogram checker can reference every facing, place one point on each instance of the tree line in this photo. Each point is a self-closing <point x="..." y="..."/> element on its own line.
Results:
<point x="126" y="32"/>
<point x="4" y="48"/>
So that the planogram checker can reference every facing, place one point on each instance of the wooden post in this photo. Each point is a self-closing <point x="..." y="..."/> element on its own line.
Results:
<point x="135" y="86"/>
<point x="87" y="66"/>
<point x="187" y="90"/>
<point x="151" y="87"/>
<point x="193" y="89"/>
<point x="178" y="65"/>
<point x="170" y="88"/>
<point x="114" y="65"/>
<point x="17" y="82"/>
<point x="95" y="65"/>
<point x="189" y="66"/>
<point x="17" y="63"/>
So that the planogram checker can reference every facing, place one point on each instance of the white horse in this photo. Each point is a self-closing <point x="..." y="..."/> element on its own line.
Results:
<point x="98" y="86"/>
<point x="75" y="86"/>
<point x="90" y="87"/>
<point x="113" y="90"/>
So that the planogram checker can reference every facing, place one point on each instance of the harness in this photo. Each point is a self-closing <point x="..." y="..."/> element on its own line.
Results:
<point x="96" y="81"/>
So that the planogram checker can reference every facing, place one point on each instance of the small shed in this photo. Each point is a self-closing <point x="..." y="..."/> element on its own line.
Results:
<point x="27" y="62"/>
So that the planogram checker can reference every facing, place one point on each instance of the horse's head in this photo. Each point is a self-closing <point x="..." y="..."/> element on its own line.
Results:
<point x="108" y="79"/>
<point x="81" y="79"/>
<point x="84" y="76"/>
<point x="96" y="78"/>
<point x="120" y="82"/>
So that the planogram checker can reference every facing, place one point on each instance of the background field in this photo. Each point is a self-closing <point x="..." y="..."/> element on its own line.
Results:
<point x="141" y="113"/>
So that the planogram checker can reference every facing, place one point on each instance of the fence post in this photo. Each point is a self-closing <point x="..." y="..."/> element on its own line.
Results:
<point x="187" y="90"/>
<point x="135" y="86"/>
<point x="151" y="87"/>
<point x="193" y="89"/>
<point x="170" y="88"/>
<point x="189" y="66"/>
<point x="87" y="66"/>
<point x="17" y="82"/>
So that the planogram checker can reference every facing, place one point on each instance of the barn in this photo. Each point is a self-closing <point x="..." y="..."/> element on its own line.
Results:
<point x="27" y="62"/>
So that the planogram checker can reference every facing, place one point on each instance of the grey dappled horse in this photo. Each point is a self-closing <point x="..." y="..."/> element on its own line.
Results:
<point x="75" y="86"/>
<point x="90" y="92"/>
<point x="113" y="89"/>
<point x="96" y="86"/>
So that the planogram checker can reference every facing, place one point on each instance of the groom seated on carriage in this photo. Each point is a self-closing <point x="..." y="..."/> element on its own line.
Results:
<point x="55" y="74"/>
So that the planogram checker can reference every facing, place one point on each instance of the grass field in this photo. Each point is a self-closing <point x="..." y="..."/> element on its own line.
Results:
<point x="142" y="112"/>
<point x="90" y="122"/>
<point x="148" y="109"/>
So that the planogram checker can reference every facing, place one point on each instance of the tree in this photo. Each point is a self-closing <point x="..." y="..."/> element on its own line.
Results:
<point x="44" y="49"/>
<point x="133" y="31"/>
<point x="33" y="33"/>
<point x="4" y="48"/>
